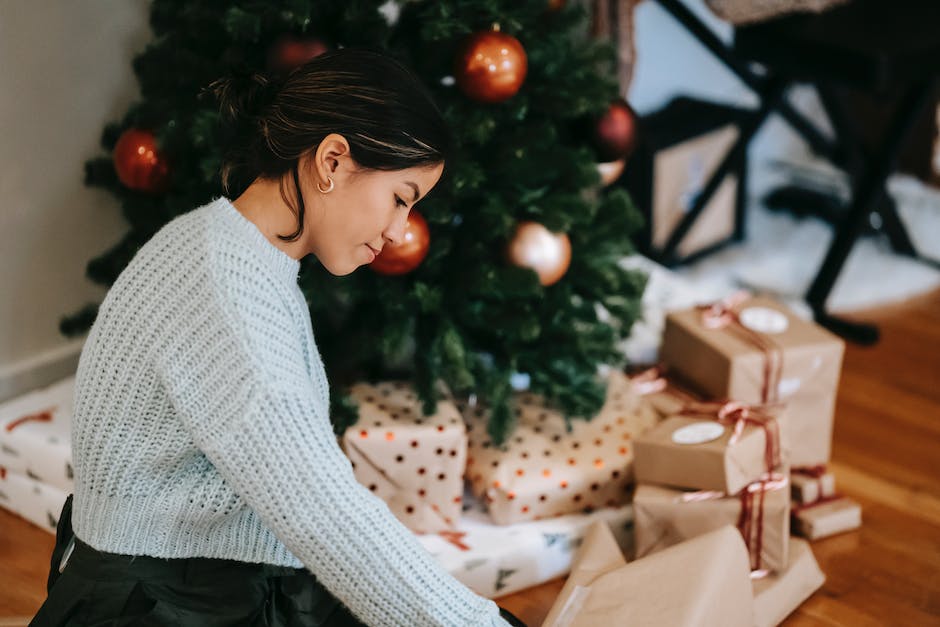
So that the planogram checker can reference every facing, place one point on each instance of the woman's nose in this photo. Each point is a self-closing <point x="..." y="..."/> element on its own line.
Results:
<point x="395" y="232"/>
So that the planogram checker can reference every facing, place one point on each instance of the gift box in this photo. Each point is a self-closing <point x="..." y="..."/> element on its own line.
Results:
<point x="777" y="595"/>
<point x="710" y="446"/>
<point x="702" y="582"/>
<point x="414" y="463"/>
<point x="761" y="511"/>
<point x="542" y="470"/>
<point x="37" y="502"/>
<point x="496" y="560"/>
<point x="808" y="485"/>
<point x="754" y="350"/>
<point x="827" y="517"/>
<point x="35" y="434"/>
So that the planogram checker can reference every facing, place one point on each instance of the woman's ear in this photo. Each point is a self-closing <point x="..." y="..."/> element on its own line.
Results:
<point x="331" y="156"/>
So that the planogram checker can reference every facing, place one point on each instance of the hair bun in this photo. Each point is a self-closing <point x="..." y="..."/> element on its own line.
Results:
<point x="242" y="97"/>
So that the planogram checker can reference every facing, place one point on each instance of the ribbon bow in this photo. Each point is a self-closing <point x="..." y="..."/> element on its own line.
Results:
<point x="723" y="314"/>
<point x="737" y="416"/>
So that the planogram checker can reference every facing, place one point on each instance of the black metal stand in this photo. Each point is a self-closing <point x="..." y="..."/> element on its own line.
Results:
<point x="868" y="171"/>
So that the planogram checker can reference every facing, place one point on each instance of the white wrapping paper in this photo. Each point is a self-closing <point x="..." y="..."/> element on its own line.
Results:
<point x="35" y="434"/>
<point x="496" y="560"/>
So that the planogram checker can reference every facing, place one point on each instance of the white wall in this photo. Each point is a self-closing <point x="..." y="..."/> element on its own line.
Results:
<point x="64" y="73"/>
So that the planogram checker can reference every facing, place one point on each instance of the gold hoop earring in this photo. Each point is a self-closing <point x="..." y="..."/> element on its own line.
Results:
<point x="328" y="189"/>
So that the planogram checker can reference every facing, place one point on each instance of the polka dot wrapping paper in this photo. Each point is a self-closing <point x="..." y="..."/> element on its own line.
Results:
<point x="542" y="470"/>
<point x="414" y="463"/>
<point x="35" y="435"/>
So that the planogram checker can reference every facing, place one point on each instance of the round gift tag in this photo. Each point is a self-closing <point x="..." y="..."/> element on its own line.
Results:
<point x="697" y="433"/>
<point x="763" y="320"/>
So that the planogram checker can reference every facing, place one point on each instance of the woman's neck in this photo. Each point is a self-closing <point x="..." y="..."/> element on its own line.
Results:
<point x="263" y="205"/>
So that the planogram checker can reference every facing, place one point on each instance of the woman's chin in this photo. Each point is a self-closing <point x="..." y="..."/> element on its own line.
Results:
<point x="343" y="269"/>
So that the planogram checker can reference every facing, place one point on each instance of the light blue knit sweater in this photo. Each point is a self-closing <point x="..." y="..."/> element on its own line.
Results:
<point x="201" y="428"/>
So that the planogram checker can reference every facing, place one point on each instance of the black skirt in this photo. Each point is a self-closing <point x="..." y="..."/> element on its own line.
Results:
<point x="99" y="589"/>
<point x="105" y="589"/>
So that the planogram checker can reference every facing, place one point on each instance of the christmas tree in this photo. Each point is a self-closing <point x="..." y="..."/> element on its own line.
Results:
<point x="517" y="275"/>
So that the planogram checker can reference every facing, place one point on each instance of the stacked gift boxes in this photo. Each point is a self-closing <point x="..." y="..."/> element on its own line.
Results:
<point x="756" y="351"/>
<point x="748" y="412"/>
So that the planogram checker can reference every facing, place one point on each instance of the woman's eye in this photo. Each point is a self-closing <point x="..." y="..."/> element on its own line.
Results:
<point x="399" y="202"/>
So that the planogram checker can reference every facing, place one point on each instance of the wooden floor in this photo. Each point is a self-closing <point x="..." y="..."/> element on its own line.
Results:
<point x="886" y="455"/>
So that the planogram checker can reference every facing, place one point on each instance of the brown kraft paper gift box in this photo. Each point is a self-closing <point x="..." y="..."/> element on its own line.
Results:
<point x="702" y="449"/>
<point x="777" y="595"/>
<point x="811" y="483"/>
<point x="756" y="351"/>
<point x="544" y="471"/>
<point x="664" y="517"/>
<point x="826" y="517"/>
<point x="414" y="463"/>
<point x="704" y="582"/>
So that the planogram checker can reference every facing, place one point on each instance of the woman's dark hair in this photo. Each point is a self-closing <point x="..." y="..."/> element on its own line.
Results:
<point x="379" y="105"/>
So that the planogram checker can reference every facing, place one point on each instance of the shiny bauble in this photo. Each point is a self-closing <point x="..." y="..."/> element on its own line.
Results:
<point x="615" y="132"/>
<point x="288" y="52"/>
<point x="139" y="163"/>
<point x="490" y="66"/>
<point x="407" y="255"/>
<point x="534" y="246"/>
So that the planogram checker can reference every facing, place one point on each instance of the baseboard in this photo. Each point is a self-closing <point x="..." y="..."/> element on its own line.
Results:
<point x="40" y="370"/>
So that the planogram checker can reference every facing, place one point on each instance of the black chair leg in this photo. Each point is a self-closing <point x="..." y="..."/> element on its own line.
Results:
<point x="869" y="185"/>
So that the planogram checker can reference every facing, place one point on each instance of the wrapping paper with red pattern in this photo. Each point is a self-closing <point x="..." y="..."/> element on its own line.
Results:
<point x="35" y="434"/>
<point x="37" y="502"/>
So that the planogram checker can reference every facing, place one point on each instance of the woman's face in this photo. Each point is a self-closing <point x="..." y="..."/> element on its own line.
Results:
<point x="365" y="211"/>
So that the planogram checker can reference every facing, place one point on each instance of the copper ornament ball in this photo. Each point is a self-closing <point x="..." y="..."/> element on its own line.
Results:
<point x="534" y="246"/>
<point x="139" y="163"/>
<point x="490" y="66"/>
<point x="408" y="255"/>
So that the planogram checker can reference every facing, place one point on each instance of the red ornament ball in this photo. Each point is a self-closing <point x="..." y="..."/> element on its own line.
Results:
<point x="534" y="246"/>
<point x="404" y="257"/>
<point x="490" y="66"/>
<point x="288" y="52"/>
<point x="615" y="132"/>
<point x="139" y="163"/>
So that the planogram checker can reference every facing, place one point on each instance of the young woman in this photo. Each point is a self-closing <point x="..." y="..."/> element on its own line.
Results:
<point x="209" y="487"/>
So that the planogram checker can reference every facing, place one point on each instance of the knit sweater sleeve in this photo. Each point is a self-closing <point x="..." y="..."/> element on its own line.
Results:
<point x="231" y="358"/>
